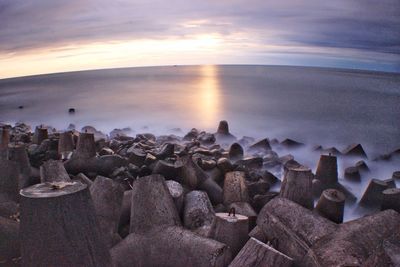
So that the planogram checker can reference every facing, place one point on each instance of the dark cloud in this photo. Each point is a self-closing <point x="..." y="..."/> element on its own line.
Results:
<point x="361" y="26"/>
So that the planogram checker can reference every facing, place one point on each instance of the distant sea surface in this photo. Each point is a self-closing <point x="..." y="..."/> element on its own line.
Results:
<point x="331" y="107"/>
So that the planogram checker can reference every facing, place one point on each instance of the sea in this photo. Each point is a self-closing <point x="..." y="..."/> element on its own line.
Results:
<point x="315" y="106"/>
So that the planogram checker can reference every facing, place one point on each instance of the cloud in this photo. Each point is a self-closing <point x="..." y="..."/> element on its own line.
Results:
<point x="362" y="29"/>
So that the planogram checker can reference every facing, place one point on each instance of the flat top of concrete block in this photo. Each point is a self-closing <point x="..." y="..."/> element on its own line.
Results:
<point x="230" y="218"/>
<point x="391" y="191"/>
<point x="55" y="189"/>
<point x="334" y="195"/>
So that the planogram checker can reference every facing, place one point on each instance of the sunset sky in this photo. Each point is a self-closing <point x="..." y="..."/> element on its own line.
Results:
<point x="47" y="36"/>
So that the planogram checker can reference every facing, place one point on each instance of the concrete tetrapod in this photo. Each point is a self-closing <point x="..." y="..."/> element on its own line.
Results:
<point x="59" y="227"/>
<point x="107" y="198"/>
<point x="297" y="186"/>
<point x="231" y="229"/>
<point x="291" y="228"/>
<point x="257" y="254"/>
<point x="354" y="241"/>
<point x="156" y="237"/>
<point x="53" y="171"/>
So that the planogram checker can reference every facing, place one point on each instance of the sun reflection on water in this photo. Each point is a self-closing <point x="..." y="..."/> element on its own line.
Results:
<point x="208" y="97"/>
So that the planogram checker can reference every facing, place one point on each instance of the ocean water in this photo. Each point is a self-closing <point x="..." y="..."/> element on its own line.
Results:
<point x="329" y="107"/>
<point x="314" y="105"/>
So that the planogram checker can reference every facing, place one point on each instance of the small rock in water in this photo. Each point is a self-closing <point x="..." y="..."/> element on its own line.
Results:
<point x="352" y="173"/>
<point x="291" y="143"/>
<point x="71" y="110"/>
<point x="21" y="107"/>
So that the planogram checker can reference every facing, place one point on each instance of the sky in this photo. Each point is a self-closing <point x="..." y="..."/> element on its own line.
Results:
<point x="47" y="36"/>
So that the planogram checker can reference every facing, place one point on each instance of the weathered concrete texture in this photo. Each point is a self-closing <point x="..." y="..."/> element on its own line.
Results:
<point x="235" y="189"/>
<point x="107" y="198"/>
<point x="373" y="193"/>
<point x="235" y="152"/>
<point x="9" y="179"/>
<point x="297" y="186"/>
<point x="9" y="239"/>
<point x="65" y="143"/>
<point x="191" y="174"/>
<point x="355" y="150"/>
<point x="327" y="169"/>
<point x="291" y="228"/>
<point x="83" y="179"/>
<point x="232" y="230"/>
<point x="391" y="199"/>
<point x="177" y="193"/>
<point x="167" y="169"/>
<point x="40" y="135"/>
<point x="244" y="208"/>
<point x="331" y="205"/>
<point x="386" y="254"/>
<point x="258" y="234"/>
<point x="59" y="227"/>
<point x="86" y="146"/>
<point x="53" y="171"/>
<point x="152" y="205"/>
<point x="257" y="254"/>
<point x="170" y="247"/>
<point x="354" y="241"/>
<point x="19" y="155"/>
<point x="198" y="214"/>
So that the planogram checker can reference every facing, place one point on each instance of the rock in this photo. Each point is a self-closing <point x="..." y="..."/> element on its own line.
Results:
<point x="332" y="151"/>
<point x="9" y="240"/>
<point x="177" y="193"/>
<point x="171" y="246"/>
<point x="235" y="189"/>
<point x="107" y="198"/>
<point x="40" y="135"/>
<point x="331" y="205"/>
<point x="224" y="165"/>
<point x="19" y="155"/>
<point x="289" y="143"/>
<point x="386" y="254"/>
<point x="152" y="205"/>
<point x="207" y="164"/>
<point x="244" y="208"/>
<point x="105" y="165"/>
<point x="352" y="173"/>
<point x="191" y="135"/>
<point x="223" y="134"/>
<point x="125" y="209"/>
<point x="373" y="193"/>
<point x="362" y="166"/>
<point x="231" y="229"/>
<point x="136" y="156"/>
<point x="235" y="152"/>
<point x="257" y="254"/>
<point x="65" y="144"/>
<point x="262" y="146"/>
<point x="9" y="178"/>
<point x="291" y="228"/>
<point x="167" y="150"/>
<point x="48" y="230"/>
<point x="257" y="188"/>
<point x="86" y="147"/>
<point x="106" y="151"/>
<point x="353" y="242"/>
<point x="9" y="209"/>
<point x="390" y="183"/>
<point x="198" y="214"/>
<point x="258" y="234"/>
<point x="206" y="138"/>
<point x="297" y="187"/>
<point x="396" y="175"/>
<point x="71" y="110"/>
<point x="53" y="171"/>
<point x="83" y="179"/>
<point x="259" y="201"/>
<point x="168" y="169"/>
<point x="391" y="199"/>
<point x="327" y="170"/>
<point x="355" y="150"/>
<point x="250" y="163"/>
